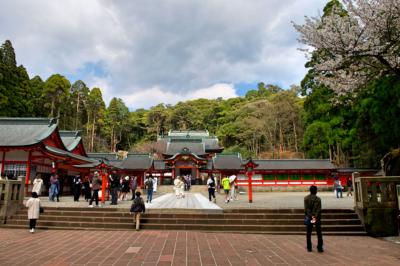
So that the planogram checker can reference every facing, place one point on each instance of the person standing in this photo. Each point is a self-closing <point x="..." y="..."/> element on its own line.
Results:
<point x="114" y="185"/>
<point x="211" y="188"/>
<point x="33" y="205"/>
<point x="86" y="188"/>
<point x="312" y="210"/>
<point x="155" y="180"/>
<point x="37" y="184"/>
<point x="96" y="185"/>
<point x="226" y="185"/>
<point x="148" y="185"/>
<point x="137" y="208"/>
<point x="349" y="186"/>
<point x="54" y="187"/>
<point x="133" y="186"/>
<point x="76" y="186"/>
<point x="338" y="188"/>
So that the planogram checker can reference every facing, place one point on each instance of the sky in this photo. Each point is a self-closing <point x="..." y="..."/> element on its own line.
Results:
<point x="149" y="52"/>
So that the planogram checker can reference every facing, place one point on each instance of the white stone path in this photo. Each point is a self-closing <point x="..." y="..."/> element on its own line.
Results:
<point x="191" y="201"/>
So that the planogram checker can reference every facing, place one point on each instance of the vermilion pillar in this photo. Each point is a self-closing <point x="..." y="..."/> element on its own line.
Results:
<point x="249" y="178"/>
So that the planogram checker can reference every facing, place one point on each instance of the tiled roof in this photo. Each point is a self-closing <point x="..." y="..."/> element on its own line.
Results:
<point x="193" y="147"/>
<point x="16" y="132"/>
<point x="69" y="154"/>
<point x="294" y="164"/>
<point x="227" y="162"/>
<point x="137" y="162"/>
<point x="188" y="133"/>
<point x="107" y="156"/>
<point x="70" y="139"/>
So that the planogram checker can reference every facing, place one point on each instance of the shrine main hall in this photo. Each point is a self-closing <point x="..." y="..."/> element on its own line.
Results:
<point x="30" y="146"/>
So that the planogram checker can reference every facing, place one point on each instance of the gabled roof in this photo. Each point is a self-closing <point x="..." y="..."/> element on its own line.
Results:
<point x="227" y="162"/>
<point x="294" y="164"/>
<point x="137" y="162"/>
<point x="107" y="156"/>
<point x="68" y="154"/>
<point x="188" y="133"/>
<point x="175" y="147"/>
<point x="71" y="139"/>
<point x="16" y="132"/>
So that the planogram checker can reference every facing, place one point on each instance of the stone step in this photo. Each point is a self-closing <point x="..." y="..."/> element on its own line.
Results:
<point x="335" y="233"/>
<point x="203" y="220"/>
<point x="170" y="226"/>
<point x="100" y="213"/>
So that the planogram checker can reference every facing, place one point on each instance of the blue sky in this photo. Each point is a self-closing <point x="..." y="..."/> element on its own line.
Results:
<point x="148" y="52"/>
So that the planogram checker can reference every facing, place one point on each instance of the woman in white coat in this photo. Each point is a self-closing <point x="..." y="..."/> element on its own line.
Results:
<point x="33" y="205"/>
<point x="37" y="184"/>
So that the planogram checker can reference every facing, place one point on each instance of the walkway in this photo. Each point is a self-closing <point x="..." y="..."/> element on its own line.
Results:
<point x="269" y="200"/>
<point x="192" y="201"/>
<point x="19" y="247"/>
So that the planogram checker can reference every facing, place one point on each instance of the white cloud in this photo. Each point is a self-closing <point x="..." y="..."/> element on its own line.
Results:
<point x="150" y="97"/>
<point x="177" y="46"/>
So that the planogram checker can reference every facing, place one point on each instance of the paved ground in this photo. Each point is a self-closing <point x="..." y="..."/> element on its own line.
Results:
<point x="19" y="247"/>
<point x="271" y="200"/>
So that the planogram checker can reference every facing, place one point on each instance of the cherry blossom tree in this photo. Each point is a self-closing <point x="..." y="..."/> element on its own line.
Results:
<point x="356" y="41"/>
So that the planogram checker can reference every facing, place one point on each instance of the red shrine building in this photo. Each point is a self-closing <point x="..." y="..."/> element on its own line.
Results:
<point x="30" y="146"/>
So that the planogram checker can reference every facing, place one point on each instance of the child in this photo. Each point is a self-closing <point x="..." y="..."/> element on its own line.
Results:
<point x="33" y="205"/>
<point x="137" y="208"/>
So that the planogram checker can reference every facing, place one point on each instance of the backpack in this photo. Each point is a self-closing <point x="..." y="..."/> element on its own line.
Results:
<point x="212" y="184"/>
<point x="137" y="205"/>
<point x="149" y="184"/>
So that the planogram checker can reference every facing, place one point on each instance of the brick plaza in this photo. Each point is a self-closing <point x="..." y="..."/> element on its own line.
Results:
<point x="56" y="247"/>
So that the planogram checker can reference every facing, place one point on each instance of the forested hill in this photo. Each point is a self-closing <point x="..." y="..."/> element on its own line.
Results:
<point x="310" y="121"/>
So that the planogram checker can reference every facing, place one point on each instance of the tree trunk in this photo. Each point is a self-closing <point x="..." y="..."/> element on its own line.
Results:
<point x="77" y="112"/>
<point x="296" y="148"/>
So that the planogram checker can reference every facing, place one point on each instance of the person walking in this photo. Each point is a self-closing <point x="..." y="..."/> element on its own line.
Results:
<point x="114" y="185"/>
<point x="349" y="186"/>
<point x="226" y="185"/>
<point x="96" y="184"/>
<point x="37" y="184"/>
<point x="232" y="181"/>
<point x="76" y="187"/>
<point x="137" y="208"/>
<point x="181" y="187"/>
<point x="177" y="182"/>
<point x="211" y="188"/>
<point x="133" y="186"/>
<point x="33" y="205"/>
<point x="124" y="188"/>
<point x="148" y="185"/>
<point x="312" y="210"/>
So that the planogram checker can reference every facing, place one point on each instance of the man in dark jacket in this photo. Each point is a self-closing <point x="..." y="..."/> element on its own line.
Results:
<point x="312" y="209"/>
<point x="114" y="185"/>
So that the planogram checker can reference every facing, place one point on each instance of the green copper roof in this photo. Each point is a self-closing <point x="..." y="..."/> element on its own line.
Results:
<point x="16" y="132"/>
<point x="71" y="139"/>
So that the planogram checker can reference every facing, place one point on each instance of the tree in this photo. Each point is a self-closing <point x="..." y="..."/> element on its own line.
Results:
<point x="79" y="97"/>
<point x="356" y="43"/>
<point x="96" y="108"/>
<point x="117" y="122"/>
<point x="56" y="89"/>
<point x="8" y="54"/>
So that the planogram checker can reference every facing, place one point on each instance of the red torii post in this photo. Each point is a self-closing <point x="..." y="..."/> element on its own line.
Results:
<point x="249" y="166"/>
<point x="104" y="180"/>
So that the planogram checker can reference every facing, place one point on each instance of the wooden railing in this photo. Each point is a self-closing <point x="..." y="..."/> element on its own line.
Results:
<point x="377" y="204"/>
<point x="11" y="197"/>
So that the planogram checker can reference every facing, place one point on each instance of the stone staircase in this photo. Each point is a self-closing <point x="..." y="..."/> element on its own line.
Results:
<point x="266" y="221"/>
